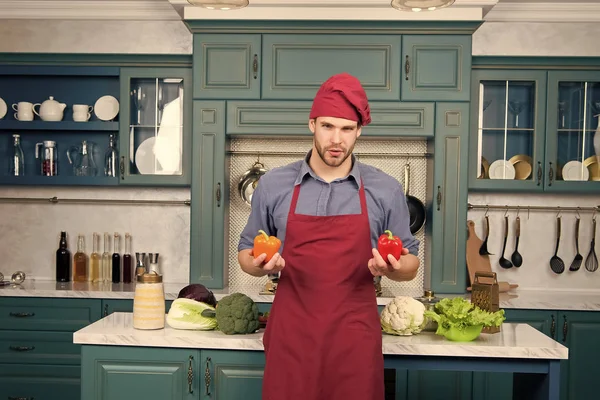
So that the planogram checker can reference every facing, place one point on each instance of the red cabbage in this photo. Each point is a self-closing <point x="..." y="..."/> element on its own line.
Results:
<point x="198" y="292"/>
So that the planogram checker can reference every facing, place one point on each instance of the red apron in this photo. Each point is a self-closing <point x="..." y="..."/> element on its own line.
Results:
<point x="323" y="338"/>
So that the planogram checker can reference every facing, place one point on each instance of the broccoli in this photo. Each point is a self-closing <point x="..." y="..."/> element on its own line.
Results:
<point x="237" y="313"/>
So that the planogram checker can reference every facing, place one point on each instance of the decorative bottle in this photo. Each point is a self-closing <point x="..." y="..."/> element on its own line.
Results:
<point x="17" y="163"/>
<point x="63" y="260"/>
<point x="116" y="261"/>
<point x="95" y="260"/>
<point x="106" y="261"/>
<point x="127" y="261"/>
<point x="80" y="267"/>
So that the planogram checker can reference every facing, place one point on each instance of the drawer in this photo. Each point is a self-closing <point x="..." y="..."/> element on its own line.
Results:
<point x="48" y="314"/>
<point x="26" y="347"/>
<point x="39" y="388"/>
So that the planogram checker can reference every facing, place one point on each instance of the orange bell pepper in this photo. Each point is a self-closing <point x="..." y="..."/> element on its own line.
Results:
<point x="264" y="243"/>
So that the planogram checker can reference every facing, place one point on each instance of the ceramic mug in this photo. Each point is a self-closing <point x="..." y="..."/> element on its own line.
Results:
<point x="24" y="111"/>
<point x="82" y="112"/>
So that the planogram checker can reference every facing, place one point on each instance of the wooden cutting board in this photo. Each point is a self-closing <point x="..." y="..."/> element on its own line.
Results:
<point x="476" y="262"/>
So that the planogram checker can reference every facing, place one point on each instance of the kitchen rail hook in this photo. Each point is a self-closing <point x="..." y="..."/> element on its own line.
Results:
<point x="506" y="210"/>
<point x="528" y="210"/>
<point x="559" y="211"/>
<point x="578" y="216"/>
<point x="518" y="210"/>
<point x="487" y="210"/>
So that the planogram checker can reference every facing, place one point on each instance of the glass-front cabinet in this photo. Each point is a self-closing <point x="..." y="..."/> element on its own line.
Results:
<point x="573" y="131"/>
<point x="155" y="140"/>
<point x="507" y="131"/>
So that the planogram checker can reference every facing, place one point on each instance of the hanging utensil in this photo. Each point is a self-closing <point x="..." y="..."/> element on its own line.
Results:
<point x="416" y="208"/>
<point x="249" y="180"/>
<point x="576" y="264"/>
<point x="483" y="250"/>
<point x="556" y="263"/>
<point x="504" y="263"/>
<point x="591" y="262"/>
<point x="516" y="258"/>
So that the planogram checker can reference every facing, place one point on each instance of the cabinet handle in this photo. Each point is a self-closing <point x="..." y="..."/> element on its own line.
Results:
<point x="21" y="314"/>
<point x="255" y="66"/>
<point x="439" y="198"/>
<point x="22" y="348"/>
<point x="218" y="194"/>
<point x="539" y="175"/>
<point x="565" y="329"/>
<point x="553" y="327"/>
<point x="105" y="310"/>
<point x="207" y="377"/>
<point x="407" y="67"/>
<point x="190" y="374"/>
<point x="122" y="167"/>
<point x="20" y="398"/>
<point x="550" y="175"/>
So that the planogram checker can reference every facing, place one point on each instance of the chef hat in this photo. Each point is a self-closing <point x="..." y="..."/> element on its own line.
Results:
<point x="342" y="96"/>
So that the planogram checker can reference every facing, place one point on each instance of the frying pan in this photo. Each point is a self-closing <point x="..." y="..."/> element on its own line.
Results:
<point x="416" y="208"/>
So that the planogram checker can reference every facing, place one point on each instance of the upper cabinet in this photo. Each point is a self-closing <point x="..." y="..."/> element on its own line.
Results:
<point x="275" y="66"/>
<point x="155" y="135"/>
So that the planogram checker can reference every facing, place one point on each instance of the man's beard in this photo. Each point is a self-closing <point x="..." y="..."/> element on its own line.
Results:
<point x="333" y="162"/>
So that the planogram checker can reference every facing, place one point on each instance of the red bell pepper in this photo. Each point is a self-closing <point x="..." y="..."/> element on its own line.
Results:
<point x="264" y="243"/>
<point x="389" y="244"/>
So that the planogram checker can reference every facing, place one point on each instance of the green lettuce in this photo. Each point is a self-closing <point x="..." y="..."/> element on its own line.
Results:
<point x="191" y="314"/>
<point x="460" y="314"/>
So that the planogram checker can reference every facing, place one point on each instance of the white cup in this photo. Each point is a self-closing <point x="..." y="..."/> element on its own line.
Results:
<point x="82" y="112"/>
<point x="24" y="111"/>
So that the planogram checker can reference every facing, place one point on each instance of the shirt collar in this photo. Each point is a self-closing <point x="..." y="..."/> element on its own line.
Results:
<point x="306" y="169"/>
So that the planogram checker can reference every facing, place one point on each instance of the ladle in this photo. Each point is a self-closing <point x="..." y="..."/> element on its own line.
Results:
<point x="516" y="258"/>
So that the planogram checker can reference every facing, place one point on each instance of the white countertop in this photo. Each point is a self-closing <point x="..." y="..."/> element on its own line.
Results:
<point x="513" y="341"/>
<point x="516" y="299"/>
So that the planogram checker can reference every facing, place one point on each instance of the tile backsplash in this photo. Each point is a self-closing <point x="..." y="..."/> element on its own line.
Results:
<point x="538" y="239"/>
<point x="30" y="232"/>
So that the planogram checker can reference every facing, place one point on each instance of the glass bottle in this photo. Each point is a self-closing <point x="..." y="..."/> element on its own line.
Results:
<point x="63" y="260"/>
<point x="17" y="164"/>
<point x="106" y="261"/>
<point x="95" y="260"/>
<point x="127" y="261"/>
<point x="80" y="261"/>
<point x="116" y="261"/>
<point x="111" y="158"/>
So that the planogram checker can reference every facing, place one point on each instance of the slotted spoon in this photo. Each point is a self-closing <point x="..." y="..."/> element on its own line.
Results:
<point x="556" y="263"/>
<point x="591" y="262"/>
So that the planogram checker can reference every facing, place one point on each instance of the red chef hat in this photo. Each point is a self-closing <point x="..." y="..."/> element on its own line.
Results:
<point x="342" y="96"/>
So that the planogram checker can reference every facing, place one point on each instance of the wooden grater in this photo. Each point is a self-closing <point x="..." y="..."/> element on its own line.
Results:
<point x="485" y="294"/>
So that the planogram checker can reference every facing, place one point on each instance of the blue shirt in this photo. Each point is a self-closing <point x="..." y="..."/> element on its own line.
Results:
<point x="271" y="200"/>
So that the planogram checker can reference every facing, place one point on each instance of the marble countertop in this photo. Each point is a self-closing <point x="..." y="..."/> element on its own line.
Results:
<point x="513" y="341"/>
<point x="516" y="299"/>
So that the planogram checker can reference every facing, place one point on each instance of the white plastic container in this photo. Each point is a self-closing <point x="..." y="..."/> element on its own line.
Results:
<point x="149" y="302"/>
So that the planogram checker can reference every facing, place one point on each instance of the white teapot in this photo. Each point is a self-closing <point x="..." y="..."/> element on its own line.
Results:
<point x="50" y="110"/>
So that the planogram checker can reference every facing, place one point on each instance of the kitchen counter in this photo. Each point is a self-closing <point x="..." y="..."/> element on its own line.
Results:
<point x="516" y="299"/>
<point x="514" y="340"/>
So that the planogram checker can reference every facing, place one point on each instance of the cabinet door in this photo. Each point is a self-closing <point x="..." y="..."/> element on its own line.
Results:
<point x="120" y="373"/>
<point x="573" y="134"/>
<point x="227" y="66"/>
<point x="295" y="66"/>
<point x="155" y="137"/>
<point x="111" y="306"/>
<point x="429" y="385"/>
<point x="507" y="130"/>
<point x="232" y="375"/>
<point x="436" y="67"/>
<point x="579" y="331"/>
<point x="209" y="194"/>
<point x="448" y="211"/>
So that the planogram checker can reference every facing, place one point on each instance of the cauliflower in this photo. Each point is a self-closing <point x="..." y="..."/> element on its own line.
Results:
<point x="403" y="316"/>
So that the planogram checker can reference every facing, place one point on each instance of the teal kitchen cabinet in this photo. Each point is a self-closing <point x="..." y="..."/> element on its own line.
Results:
<point x="227" y="66"/>
<point x="115" y="373"/>
<point x="295" y="65"/>
<point x="232" y="375"/>
<point x="448" y="208"/>
<point x="573" y="132"/>
<point x="281" y="118"/>
<point x="209" y="195"/>
<point x="30" y="382"/>
<point x="156" y="121"/>
<point x="110" y="306"/>
<point x="436" y="67"/>
<point x="508" y="130"/>
<point x="430" y="385"/>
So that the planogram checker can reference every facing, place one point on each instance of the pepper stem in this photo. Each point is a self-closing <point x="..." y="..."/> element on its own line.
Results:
<point x="264" y="234"/>
<point x="390" y="236"/>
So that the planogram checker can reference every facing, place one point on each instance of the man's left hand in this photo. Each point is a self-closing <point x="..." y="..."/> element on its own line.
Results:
<point x="379" y="267"/>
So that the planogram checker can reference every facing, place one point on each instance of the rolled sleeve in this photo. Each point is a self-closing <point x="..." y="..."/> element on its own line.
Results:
<point x="398" y="221"/>
<point x="258" y="219"/>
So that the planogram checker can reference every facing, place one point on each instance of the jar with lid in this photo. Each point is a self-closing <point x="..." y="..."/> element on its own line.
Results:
<point x="429" y="301"/>
<point x="149" y="302"/>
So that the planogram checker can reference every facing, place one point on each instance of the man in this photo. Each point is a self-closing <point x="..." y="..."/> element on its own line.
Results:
<point x="323" y="338"/>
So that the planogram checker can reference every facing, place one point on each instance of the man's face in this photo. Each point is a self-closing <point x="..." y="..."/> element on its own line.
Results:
<point x="334" y="138"/>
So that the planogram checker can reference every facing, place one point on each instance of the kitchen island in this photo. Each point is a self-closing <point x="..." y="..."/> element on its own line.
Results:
<point x="119" y="361"/>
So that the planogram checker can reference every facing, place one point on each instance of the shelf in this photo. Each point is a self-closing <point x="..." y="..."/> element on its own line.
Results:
<point x="59" y="125"/>
<point x="508" y="129"/>
<point x="58" y="180"/>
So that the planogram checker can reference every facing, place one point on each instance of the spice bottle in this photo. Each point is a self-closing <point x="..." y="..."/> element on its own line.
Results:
<point x="429" y="301"/>
<point x="149" y="302"/>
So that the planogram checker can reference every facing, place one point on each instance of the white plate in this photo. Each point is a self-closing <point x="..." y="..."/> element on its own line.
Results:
<point x="3" y="108"/>
<point x="575" y="171"/>
<point x="106" y="108"/>
<point x="502" y="169"/>
<point x="145" y="159"/>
